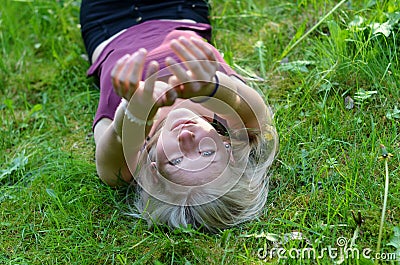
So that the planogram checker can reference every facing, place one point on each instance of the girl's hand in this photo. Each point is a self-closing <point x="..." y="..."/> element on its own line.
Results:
<point x="199" y="59"/>
<point x="144" y="95"/>
<point x="127" y="73"/>
<point x="153" y="94"/>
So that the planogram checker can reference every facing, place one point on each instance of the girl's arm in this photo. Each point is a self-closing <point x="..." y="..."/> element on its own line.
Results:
<point x="145" y="98"/>
<point x="110" y="158"/>
<point x="110" y="162"/>
<point x="239" y="99"/>
<point x="202" y="83"/>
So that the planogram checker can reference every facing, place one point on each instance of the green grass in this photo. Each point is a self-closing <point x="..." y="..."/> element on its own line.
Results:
<point x="53" y="208"/>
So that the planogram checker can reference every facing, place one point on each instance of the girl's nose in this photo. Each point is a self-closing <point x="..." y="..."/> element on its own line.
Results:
<point x="186" y="139"/>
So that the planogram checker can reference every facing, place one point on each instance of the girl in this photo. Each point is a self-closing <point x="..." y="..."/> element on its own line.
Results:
<point x="173" y="118"/>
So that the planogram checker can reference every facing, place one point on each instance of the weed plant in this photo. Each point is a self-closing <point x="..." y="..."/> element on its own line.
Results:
<point x="336" y="98"/>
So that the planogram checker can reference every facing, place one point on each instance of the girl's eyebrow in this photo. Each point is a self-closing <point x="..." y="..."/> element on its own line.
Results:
<point x="182" y="173"/>
<point x="179" y="169"/>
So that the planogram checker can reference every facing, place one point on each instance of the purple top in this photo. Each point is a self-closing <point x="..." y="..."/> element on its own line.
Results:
<point x="152" y="35"/>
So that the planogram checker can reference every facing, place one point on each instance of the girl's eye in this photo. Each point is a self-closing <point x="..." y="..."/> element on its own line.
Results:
<point x="175" y="161"/>
<point x="207" y="153"/>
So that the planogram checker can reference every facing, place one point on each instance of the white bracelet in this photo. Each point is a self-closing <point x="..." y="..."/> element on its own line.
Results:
<point x="138" y="121"/>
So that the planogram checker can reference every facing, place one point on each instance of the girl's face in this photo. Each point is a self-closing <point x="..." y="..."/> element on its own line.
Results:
<point x="189" y="150"/>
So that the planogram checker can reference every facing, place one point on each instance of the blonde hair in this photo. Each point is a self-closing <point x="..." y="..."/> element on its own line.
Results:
<point x="211" y="207"/>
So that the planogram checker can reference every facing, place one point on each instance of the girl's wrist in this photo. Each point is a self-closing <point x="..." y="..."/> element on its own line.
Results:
<point x="122" y="111"/>
<point x="132" y="118"/>
<point x="226" y="91"/>
<point x="215" y="81"/>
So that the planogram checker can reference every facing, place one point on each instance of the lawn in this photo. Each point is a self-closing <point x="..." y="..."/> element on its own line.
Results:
<point x="330" y="71"/>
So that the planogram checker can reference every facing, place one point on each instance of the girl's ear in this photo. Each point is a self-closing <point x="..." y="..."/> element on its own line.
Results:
<point x="154" y="172"/>
<point x="232" y="158"/>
